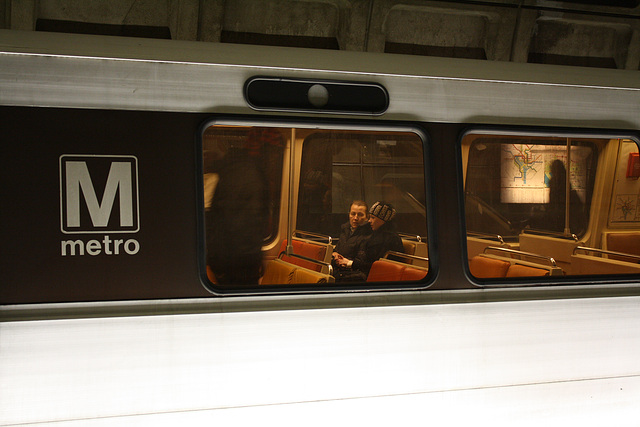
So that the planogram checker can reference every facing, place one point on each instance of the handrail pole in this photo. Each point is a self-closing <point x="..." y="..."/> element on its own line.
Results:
<point x="548" y="233"/>
<point x="481" y="235"/>
<point x="605" y="252"/>
<point x="291" y="184"/>
<point x="315" y="261"/>
<point x="328" y="238"/>
<point x="400" y="254"/>
<point x="567" y="195"/>
<point x="522" y="253"/>
<point x="407" y="236"/>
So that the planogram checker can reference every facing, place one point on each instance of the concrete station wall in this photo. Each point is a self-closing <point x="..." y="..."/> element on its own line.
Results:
<point x="581" y="33"/>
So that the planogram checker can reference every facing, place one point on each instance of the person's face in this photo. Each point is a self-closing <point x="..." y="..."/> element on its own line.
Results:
<point x="357" y="215"/>
<point x="375" y="222"/>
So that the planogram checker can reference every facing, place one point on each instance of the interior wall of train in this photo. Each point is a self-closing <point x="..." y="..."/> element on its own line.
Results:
<point x="591" y="33"/>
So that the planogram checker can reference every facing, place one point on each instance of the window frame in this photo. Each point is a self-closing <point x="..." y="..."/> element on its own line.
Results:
<point x="341" y="125"/>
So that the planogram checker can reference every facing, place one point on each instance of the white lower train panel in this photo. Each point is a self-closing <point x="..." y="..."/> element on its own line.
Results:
<point x="512" y="362"/>
<point x="584" y="403"/>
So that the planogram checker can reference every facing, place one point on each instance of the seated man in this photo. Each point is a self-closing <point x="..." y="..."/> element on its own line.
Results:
<point x="353" y="235"/>
<point x="382" y="239"/>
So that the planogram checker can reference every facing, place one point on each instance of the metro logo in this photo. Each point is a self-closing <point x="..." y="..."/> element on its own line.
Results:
<point x="98" y="194"/>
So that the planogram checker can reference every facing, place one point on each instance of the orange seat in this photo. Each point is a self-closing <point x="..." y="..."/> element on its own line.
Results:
<point x="211" y="276"/>
<point x="278" y="272"/>
<point x="486" y="268"/>
<point x="385" y="271"/>
<point x="517" y="270"/>
<point x="307" y="249"/>
<point x="303" y="275"/>
<point x="410" y="274"/>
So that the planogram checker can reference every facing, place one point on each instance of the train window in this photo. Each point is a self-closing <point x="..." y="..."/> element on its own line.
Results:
<point x="279" y="204"/>
<point x="538" y="205"/>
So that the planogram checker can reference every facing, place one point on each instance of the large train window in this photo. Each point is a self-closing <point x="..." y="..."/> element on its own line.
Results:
<point x="297" y="206"/>
<point x="556" y="206"/>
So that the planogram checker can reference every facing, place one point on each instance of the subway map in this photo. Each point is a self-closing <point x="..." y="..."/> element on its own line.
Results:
<point x="526" y="170"/>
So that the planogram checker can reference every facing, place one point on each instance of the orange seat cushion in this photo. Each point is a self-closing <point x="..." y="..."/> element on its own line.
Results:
<point x="411" y="273"/>
<point x="306" y="249"/>
<point x="384" y="271"/>
<point x="486" y="268"/>
<point x="517" y="270"/>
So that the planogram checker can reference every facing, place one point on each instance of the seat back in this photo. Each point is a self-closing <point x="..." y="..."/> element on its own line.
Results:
<point x="386" y="270"/>
<point x="589" y="264"/>
<point x="415" y="245"/>
<point x="477" y="244"/>
<point x="558" y="248"/>
<point x="278" y="272"/>
<point x="511" y="264"/>
<point x="519" y="270"/>
<point x="409" y="247"/>
<point x="304" y="275"/>
<point x="483" y="267"/>
<point x="600" y="261"/>
<point x="413" y="273"/>
<point x="310" y="249"/>
<point x="625" y="242"/>
<point x="212" y="277"/>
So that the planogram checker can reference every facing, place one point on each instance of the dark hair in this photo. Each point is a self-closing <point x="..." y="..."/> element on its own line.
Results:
<point x="360" y="203"/>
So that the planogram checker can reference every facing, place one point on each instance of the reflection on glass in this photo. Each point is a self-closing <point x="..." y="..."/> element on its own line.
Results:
<point x="242" y="170"/>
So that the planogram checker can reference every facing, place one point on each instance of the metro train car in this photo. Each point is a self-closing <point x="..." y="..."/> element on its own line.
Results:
<point x="171" y="213"/>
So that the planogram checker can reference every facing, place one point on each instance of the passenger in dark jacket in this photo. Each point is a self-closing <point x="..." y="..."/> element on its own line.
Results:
<point x="353" y="235"/>
<point x="236" y="220"/>
<point x="383" y="239"/>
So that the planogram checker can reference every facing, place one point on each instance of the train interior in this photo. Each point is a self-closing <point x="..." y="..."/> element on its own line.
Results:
<point x="336" y="167"/>
<point x="551" y="205"/>
<point x="537" y="206"/>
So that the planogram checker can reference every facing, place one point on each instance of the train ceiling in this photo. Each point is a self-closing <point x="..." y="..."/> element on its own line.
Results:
<point x="591" y="33"/>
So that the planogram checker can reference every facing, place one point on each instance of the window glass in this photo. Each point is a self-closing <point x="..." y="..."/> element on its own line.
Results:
<point x="540" y="205"/>
<point x="624" y="211"/>
<point x="280" y="211"/>
<point x="367" y="166"/>
<point x="242" y="187"/>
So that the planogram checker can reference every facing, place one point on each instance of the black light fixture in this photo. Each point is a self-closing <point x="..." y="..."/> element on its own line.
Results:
<point x="274" y="93"/>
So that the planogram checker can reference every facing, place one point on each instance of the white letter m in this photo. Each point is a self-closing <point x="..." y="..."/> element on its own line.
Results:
<point x="78" y="178"/>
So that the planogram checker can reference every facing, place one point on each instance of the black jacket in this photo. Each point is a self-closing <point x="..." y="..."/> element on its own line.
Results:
<point x="349" y="243"/>
<point x="382" y="240"/>
<point x="236" y="222"/>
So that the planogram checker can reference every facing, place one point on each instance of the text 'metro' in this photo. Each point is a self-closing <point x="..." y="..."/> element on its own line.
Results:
<point x="99" y="196"/>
